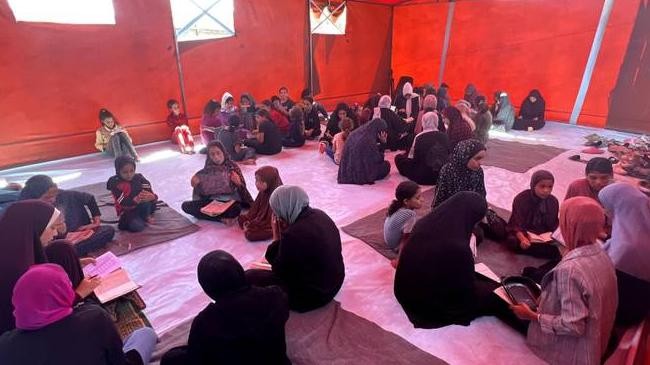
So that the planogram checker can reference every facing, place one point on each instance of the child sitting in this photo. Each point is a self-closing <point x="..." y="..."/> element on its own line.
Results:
<point x="211" y="121"/>
<point x="231" y="141"/>
<point x="112" y="139"/>
<point x="296" y="135"/>
<point x="181" y="133"/>
<point x="220" y="180"/>
<point x="598" y="174"/>
<point x="135" y="201"/>
<point x="401" y="215"/>
<point x="257" y="221"/>
<point x="335" y="150"/>
<point x="535" y="211"/>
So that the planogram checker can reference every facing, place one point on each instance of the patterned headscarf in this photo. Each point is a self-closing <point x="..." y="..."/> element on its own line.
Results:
<point x="455" y="176"/>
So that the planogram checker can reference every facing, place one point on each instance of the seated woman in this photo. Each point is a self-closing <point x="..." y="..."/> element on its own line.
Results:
<point x="51" y="330"/>
<point x="305" y="254"/>
<point x="531" y="113"/>
<point x="534" y="210"/>
<point x="401" y="214"/>
<point x="368" y="109"/>
<point x="467" y="113"/>
<point x="471" y="95"/>
<point x="26" y="226"/>
<point x="482" y="120"/>
<point x="268" y="140"/>
<point x="399" y="132"/>
<point x="177" y="122"/>
<point x="243" y="325"/>
<point x="443" y="97"/>
<point x="599" y="173"/>
<point x="457" y="128"/>
<point x="428" y="154"/>
<point x="428" y="105"/>
<point x="407" y="103"/>
<point x="434" y="279"/>
<point x="247" y="111"/>
<point x="113" y="139"/>
<point x="211" y="121"/>
<point x="504" y="113"/>
<point x="463" y="172"/>
<point x="629" y="249"/>
<point x="363" y="161"/>
<point x="84" y="231"/>
<point x="296" y="135"/>
<point x="312" y="118"/>
<point x="229" y="138"/>
<point x="135" y="201"/>
<point x="576" y="310"/>
<point x="62" y="253"/>
<point x="220" y="180"/>
<point x="256" y="223"/>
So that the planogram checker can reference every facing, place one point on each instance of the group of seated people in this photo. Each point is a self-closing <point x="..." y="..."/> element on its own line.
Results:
<point x="598" y="273"/>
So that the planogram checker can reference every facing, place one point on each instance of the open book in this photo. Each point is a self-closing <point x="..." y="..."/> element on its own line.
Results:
<point x="115" y="280"/>
<point x="261" y="265"/>
<point x="484" y="270"/>
<point x="540" y="238"/>
<point x="216" y="208"/>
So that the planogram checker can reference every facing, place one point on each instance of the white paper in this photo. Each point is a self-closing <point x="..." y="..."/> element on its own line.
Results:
<point x="484" y="270"/>
<point x="501" y="292"/>
<point x="104" y="265"/>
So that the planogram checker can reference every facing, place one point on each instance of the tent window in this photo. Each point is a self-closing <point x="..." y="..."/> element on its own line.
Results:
<point x="203" y="19"/>
<point x="328" y="17"/>
<point x="64" y="11"/>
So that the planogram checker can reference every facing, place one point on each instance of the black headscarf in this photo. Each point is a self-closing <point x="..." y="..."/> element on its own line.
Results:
<point x="21" y="225"/>
<point x="455" y="176"/>
<point x="36" y="186"/>
<point x="62" y="253"/>
<point x="220" y="274"/>
<point x="532" y="213"/>
<point x="530" y="110"/>
<point x="434" y="280"/>
<point x="361" y="158"/>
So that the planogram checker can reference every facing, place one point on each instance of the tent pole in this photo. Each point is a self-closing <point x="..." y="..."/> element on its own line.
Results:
<point x="445" y="44"/>
<point x="311" y="50"/>
<point x="181" y="80"/>
<point x="591" y="61"/>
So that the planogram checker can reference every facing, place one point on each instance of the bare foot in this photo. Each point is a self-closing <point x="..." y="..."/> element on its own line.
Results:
<point x="393" y="263"/>
<point x="150" y="220"/>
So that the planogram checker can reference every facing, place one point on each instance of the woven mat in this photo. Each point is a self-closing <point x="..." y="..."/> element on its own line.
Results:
<point x="329" y="335"/>
<point x="518" y="157"/>
<point x="168" y="224"/>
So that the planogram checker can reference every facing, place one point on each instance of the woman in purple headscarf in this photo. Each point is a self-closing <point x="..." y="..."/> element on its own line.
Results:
<point x="363" y="161"/>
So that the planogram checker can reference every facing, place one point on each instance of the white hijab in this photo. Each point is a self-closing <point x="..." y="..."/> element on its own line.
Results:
<point x="429" y="124"/>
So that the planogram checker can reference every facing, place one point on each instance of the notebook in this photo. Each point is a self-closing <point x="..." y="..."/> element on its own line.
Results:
<point x="103" y="266"/>
<point x="115" y="280"/>
<point x="261" y="265"/>
<point x="115" y="285"/>
<point x="216" y="208"/>
<point x="484" y="270"/>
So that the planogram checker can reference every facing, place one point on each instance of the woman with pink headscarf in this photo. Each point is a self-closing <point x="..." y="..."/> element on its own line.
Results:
<point x="50" y="331"/>
<point x="579" y="297"/>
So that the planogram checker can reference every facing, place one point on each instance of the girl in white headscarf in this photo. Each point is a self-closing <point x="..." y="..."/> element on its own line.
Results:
<point x="427" y="155"/>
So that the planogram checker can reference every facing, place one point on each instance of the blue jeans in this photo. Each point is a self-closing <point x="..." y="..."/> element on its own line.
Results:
<point x="143" y="341"/>
<point x="136" y="220"/>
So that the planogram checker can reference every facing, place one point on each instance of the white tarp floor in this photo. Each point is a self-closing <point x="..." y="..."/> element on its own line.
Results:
<point x="167" y="272"/>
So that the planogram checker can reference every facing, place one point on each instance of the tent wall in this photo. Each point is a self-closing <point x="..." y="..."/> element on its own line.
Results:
<point x="517" y="46"/>
<point x="55" y="78"/>
<point x="350" y="67"/>
<point x="267" y="52"/>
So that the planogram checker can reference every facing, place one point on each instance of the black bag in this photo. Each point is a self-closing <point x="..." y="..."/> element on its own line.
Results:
<point x="495" y="228"/>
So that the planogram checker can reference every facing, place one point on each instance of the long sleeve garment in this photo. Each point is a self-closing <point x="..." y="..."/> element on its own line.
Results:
<point x="577" y="309"/>
<point x="308" y="260"/>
